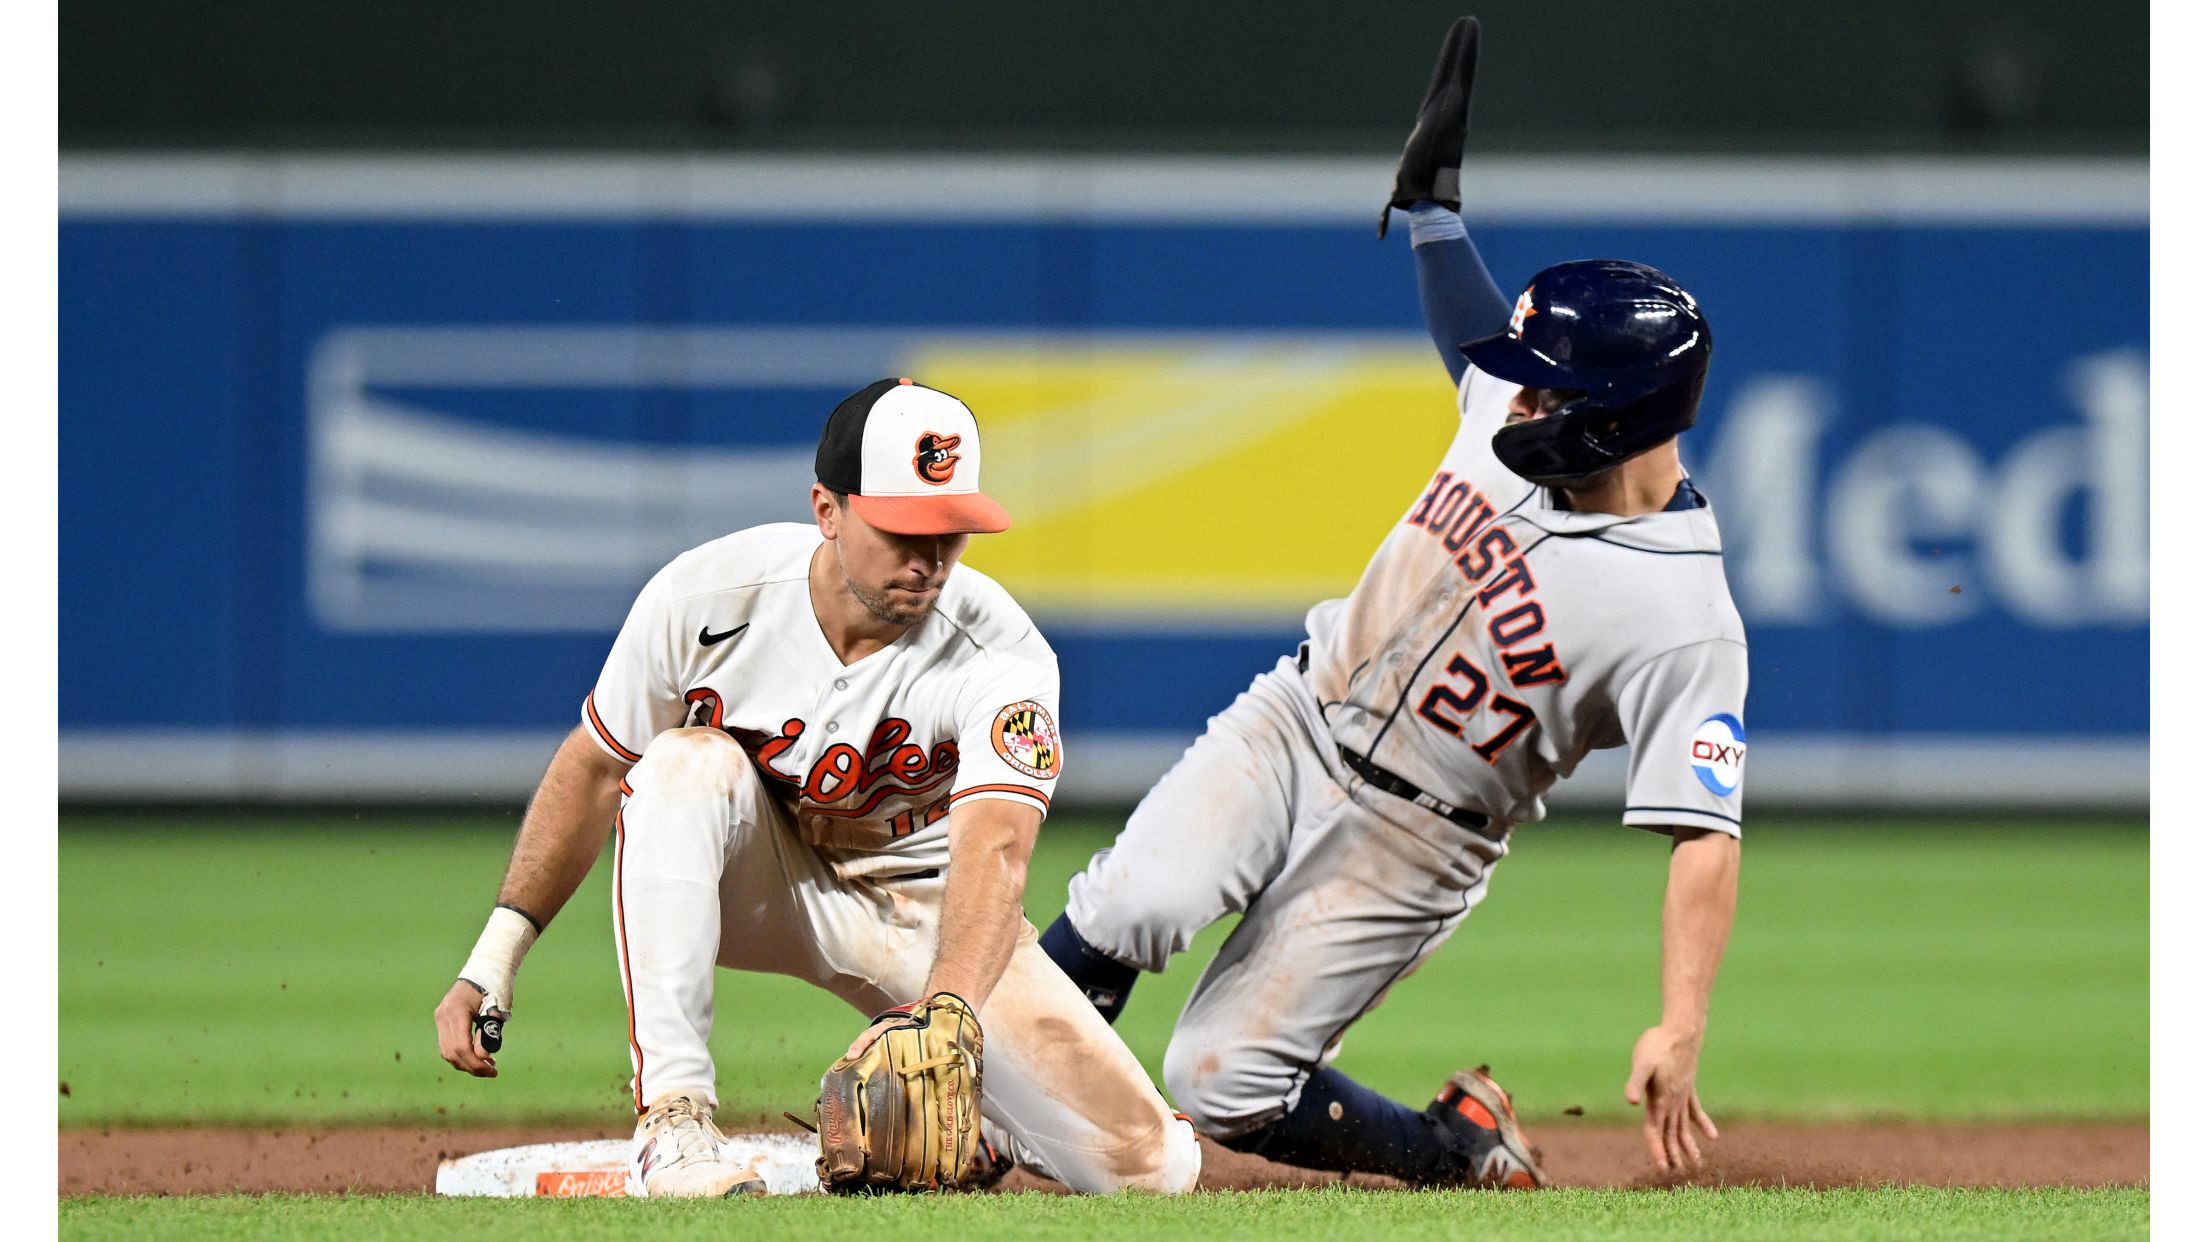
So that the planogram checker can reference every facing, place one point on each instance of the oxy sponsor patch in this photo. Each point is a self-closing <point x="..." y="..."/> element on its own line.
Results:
<point x="1718" y="753"/>
<point x="1027" y="738"/>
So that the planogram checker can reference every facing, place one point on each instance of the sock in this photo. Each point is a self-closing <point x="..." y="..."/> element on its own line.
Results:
<point x="1369" y="1134"/>
<point x="1104" y="981"/>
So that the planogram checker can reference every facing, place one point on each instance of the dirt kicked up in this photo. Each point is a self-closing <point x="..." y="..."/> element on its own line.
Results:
<point x="398" y="1160"/>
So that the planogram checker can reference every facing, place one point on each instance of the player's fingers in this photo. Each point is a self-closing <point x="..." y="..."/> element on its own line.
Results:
<point x="486" y="1064"/>
<point x="1702" y="1118"/>
<point x="1667" y="1124"/>
<point x="452" y="1043"/>
<point x="1686" y="1144"/>
<point x="464" y="1055"/>
<point x="1653" y="1135"/>
<point x="1676" y="1159"/>
<point x="456" y="1043"/>
<point x="865" y="1040"/>
<point x="1633" y="1081"/>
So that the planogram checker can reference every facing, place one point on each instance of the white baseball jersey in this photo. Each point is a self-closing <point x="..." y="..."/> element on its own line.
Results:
<point x="872" y="754"/>
<point x="1496" y="637"/>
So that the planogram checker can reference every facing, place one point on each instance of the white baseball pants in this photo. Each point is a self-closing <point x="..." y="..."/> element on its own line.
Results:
<point x="709" y="870"/>
<point x="1343" y="890"/>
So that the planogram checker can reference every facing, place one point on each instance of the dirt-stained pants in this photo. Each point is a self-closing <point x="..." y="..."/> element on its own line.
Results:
<point x="1343" y="889"/>
<point x="709" y="869"/>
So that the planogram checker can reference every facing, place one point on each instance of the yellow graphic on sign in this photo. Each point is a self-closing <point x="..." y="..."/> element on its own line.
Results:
<point x="1178" y="477"/>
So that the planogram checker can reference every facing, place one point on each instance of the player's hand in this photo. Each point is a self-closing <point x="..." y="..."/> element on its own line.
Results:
<point x="457" y="1038"/>
<point x="1662" y="1078"/>
<point x="902" y="1015"/>
<point x="869" y="1035"/>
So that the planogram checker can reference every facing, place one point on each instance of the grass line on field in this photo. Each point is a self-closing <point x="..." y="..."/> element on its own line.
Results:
<point x="1555" y="1216"/>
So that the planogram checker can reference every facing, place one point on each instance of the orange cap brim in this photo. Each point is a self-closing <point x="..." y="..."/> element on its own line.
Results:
<point x="970" y="513"/>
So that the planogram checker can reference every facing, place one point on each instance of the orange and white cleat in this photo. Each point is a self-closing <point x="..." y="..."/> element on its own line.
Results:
<point x="678" y="1154"/>
<point x="1476" y="1111"/>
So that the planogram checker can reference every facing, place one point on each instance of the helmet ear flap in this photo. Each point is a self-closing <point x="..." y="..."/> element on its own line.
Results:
<point x="1587" y="437"/>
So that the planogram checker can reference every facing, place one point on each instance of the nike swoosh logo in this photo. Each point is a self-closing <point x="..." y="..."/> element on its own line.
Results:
<point x="706" y="636"/>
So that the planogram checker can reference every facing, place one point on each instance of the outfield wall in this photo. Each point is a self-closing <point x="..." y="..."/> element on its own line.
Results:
<point x="363" y="458"/>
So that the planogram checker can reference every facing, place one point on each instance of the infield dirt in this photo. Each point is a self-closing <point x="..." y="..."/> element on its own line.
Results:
<point x="400" y="1160"/>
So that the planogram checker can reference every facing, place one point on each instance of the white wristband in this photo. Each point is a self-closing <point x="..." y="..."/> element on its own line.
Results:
<point x="497" y="957"/>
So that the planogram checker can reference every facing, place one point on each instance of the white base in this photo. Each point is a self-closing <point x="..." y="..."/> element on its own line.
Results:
<point x="599" y="1168"/>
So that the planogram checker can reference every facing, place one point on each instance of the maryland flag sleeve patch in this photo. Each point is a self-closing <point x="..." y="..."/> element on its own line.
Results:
<point x="1027" y="738"/>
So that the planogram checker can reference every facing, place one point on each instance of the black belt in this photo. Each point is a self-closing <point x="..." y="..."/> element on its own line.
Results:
<point x="1382" y="779"/>
<point x="1388" y="782"/>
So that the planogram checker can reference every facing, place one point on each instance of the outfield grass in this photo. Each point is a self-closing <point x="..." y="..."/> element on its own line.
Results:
<point x="284" y="972"/>
<point x="1263" y="1216"/>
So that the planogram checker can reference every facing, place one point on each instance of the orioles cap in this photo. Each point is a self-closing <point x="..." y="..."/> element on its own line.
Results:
<point x="910" y="459"/>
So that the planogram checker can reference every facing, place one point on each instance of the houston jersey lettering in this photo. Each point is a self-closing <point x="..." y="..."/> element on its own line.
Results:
<point x="1496" y="638"/>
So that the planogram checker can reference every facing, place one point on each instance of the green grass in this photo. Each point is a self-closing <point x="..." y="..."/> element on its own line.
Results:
<point x="1556" y="1216"/>
<point x="284" y="972"/>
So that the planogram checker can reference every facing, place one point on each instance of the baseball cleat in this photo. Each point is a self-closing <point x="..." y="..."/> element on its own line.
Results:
<point x="678" y="1154"/>
<point x="1428" y="169"/>
<point x="990" y="1164"/>
<point x="1477" y="1113"/>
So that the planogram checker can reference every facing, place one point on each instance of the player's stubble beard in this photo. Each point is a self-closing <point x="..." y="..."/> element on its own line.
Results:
<point x="880" y="606"/>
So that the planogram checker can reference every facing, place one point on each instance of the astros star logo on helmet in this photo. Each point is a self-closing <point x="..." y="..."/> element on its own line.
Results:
<point x="1519" y="313"/>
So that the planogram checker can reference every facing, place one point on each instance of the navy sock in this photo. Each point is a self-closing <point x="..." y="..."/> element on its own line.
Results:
<point x="1340" y="1124"/>
<point x="1106" y="982"/>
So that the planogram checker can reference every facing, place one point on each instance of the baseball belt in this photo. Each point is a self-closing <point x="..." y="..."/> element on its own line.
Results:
<point x="1388" y="782"/>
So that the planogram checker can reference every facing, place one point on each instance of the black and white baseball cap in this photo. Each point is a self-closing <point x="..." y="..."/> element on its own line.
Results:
<point x="910" y="459"/>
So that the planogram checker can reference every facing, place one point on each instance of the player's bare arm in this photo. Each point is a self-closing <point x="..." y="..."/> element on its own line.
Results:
<point x="991" y="841"/>
<point x="1698" y="917"/>
<point x="560" y="838"/>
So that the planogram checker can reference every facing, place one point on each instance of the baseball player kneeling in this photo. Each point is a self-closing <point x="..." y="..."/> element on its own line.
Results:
<point x="1556" y="587"/>
<point x="825" y="751"/>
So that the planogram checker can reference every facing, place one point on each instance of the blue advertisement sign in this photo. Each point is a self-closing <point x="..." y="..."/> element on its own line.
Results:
<point x="379" y="475"/>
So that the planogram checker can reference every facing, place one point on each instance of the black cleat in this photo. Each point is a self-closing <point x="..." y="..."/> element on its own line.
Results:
<point x="1483" y="1128"/>
<point x="1428" y="170"/>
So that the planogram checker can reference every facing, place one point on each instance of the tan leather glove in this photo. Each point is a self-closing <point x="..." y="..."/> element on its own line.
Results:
<point x="905" y="1113"/>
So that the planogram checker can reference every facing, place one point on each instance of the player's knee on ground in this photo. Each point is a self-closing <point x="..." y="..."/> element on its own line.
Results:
<point x="1225" y="1089"/>
<point x="690" y="763"/>
<point x="1164" y="1164"/>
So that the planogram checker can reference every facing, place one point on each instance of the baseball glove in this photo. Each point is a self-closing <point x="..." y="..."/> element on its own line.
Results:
<point x="1427" y="171"/>
<point x="905" y="1113"/>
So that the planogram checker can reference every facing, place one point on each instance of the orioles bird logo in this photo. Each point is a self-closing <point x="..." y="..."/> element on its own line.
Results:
<point x="1518" y="314"/>
<point x="932" y="458"/>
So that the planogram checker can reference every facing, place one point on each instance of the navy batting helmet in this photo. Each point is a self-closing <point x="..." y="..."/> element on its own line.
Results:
<point x="1623" y="334"/>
